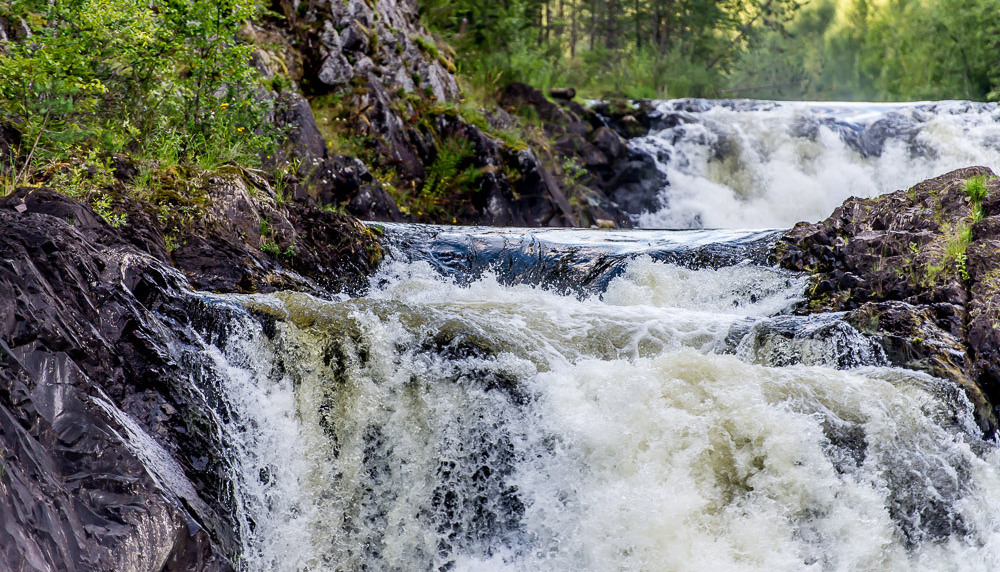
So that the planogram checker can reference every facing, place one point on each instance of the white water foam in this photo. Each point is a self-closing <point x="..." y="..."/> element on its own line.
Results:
<point x="494" y="427"/>
<point x="774" y="164"/>
<point x="273" y="455"/>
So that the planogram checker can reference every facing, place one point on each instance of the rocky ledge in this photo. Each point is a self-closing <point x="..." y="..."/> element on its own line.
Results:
<point x="111" y="456"/>
<point x="916" y="270"/>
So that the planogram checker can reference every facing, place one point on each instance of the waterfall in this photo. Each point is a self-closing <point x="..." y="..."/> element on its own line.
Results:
<point x="754" y="164"/>
<point x="557" y="400"/>
<point x="668" y="417"/>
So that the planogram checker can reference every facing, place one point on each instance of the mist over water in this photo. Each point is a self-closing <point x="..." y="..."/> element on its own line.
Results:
<point x="754" y="164"/>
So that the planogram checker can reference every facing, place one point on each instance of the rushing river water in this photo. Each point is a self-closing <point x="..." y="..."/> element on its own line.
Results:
<point x="747" y="164"/>
<point x="558" y="400"/>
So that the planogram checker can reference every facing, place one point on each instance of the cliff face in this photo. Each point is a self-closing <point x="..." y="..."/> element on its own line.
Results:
<point x="90" y="394"/>
<point x="916" y="269"/>
<point x="110" y="451"/>
<point x="379" y="127"/>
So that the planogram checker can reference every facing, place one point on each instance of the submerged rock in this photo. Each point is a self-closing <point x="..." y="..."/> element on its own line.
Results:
<point x="915" y="268"/>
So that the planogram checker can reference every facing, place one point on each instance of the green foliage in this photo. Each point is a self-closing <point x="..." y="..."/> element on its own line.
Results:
<point x="975" y="189"/>
<point x="953" y="258"/>
<point x="573" y="172"/>
<point x="637" y="48"/>
<point x="103" y="206"/>
<point x="444" y="174"/>
<point x="170" y="80"/>
<point x="427" y="46"/>
<point x="867" y="49"/>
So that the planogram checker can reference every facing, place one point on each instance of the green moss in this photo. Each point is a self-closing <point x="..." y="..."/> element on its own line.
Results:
<point x="427" y="46"/>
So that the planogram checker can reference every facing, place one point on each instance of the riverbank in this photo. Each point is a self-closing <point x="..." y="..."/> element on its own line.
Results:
<point x="915" y="269"/>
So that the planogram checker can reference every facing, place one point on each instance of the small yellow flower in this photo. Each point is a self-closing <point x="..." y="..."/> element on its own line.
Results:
<point x="240" y="129"/>
<point x="224" y="105"/>
<point x="454" y="221"/>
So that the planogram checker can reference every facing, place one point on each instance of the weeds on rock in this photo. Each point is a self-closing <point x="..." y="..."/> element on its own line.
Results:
<point x="975" y="188"/>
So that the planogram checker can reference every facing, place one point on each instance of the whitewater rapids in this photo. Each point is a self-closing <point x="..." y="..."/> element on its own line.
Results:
<point x="557" y="400"/>
<point x="752" y="164"/>
<point x="679" y="419"/>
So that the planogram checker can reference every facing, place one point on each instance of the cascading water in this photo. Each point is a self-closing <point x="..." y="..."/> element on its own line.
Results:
<point x="759" y="163"/>
<point x="674" y="418"/>
<point x="585" y="400"/>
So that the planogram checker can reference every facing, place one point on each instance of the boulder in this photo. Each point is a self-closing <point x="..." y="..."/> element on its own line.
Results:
<point x="109" y="457"/>
<point x="917" y="269"/>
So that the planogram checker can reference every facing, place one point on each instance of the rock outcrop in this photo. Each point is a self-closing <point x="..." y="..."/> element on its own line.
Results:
<point x="108" y="460"/>
<point x="110" y="452"/>
<point x="916" y="269"/>
<point x="229" y="232"/>
<point x="376" y="121"/>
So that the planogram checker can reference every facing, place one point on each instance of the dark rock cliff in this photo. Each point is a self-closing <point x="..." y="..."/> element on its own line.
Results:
<point x="110" y="453"/>
<point x="375" y="115"/>
<point x="916" y="269"/>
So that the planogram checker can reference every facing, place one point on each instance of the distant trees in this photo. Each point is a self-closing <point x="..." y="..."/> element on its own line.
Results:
<point x="815" y="49"/>
<point x="881" y="50"/>
<point x="612" y="47"/>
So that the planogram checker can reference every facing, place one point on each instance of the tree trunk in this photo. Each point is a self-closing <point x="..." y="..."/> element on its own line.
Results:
<point x="593" y="23"/>
<point x="573" y="30"/>
<point x="612" y="33"/>
<point x="638" y="27"/>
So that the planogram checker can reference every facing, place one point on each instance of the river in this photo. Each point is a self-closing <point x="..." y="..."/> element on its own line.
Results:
<point x="584" y="400"/>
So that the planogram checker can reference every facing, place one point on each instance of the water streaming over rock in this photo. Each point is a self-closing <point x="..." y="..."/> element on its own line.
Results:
<point x="747" y="163"/>
<point x="667" y="417"/>
<point x="566" y="400"/>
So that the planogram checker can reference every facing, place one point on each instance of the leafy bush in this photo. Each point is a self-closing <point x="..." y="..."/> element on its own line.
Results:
<point x="168" y="79"/>
<point x="975" y="189"/>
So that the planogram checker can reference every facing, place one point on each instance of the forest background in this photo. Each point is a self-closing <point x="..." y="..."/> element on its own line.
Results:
<point x="889" y="50"/>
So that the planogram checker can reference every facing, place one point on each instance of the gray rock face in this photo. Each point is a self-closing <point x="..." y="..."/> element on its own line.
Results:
<point x="108" y="459"/>
<point x="334" y="69"/>
<point x="371" y="43"/>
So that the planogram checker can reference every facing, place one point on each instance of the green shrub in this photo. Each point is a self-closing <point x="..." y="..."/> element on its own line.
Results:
<point x="444" y="174"/>
<point x="170" y="80"/>
<point x="975" y="188"/>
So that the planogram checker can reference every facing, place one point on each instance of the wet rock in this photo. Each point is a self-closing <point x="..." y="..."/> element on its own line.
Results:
<point x="636" y="183"/>
<point x="90" y="394"/>
<point x="110" y="453"/>
<point x="573" y="145"/>
<point x="629" y="118"/>
<point x="245" y="241"/>
<point x="539" y="196"/>
<point x="609" y="142"/>
<point x="918" y="271"/>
